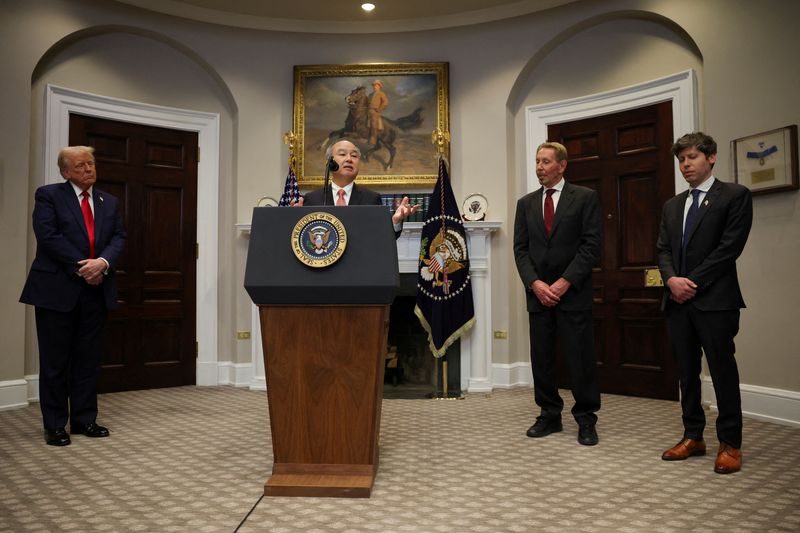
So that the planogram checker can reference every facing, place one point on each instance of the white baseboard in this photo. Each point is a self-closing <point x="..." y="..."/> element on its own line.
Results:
<point x="13" y="394"/>
<point x="762" y="403"/>
<point x="33" y="387"/>
<point x="506" y="376"/>
<point x="258" y="383"/>
<point x="207" y="373"/>
<point x="236" y="374"/>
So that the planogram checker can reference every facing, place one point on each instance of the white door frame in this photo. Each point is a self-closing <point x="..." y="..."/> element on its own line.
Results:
<point x="60" y="102"/>
<point x="680" y="89"/>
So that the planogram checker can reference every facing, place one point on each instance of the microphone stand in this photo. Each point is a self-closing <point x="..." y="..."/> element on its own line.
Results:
<point x="331" y="165"/>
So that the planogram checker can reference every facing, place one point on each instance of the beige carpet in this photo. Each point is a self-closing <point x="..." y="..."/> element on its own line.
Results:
<point x="195" y="459"/>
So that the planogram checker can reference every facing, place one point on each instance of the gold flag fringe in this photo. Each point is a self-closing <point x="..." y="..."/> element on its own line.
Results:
<point x="450" y="340"/>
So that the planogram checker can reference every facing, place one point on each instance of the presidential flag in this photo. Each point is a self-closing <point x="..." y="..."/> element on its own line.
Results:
<point x="291" y="192"/>
<point x="444" y="291"/>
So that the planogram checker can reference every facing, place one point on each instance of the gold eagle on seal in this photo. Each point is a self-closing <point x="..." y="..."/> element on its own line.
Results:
<point x="446" y="254"/>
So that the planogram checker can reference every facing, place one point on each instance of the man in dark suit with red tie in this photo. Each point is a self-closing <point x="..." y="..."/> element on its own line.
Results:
<point x="557" y="235"/>
<point x="703" y="231"/>
<point x="344" y="158"/>
<point x="79" y="238"/>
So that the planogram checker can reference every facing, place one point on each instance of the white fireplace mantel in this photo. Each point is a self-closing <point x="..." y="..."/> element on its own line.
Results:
<point x="476" y="344"/>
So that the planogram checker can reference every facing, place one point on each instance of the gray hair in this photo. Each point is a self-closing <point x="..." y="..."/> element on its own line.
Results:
<point x="329" y="150"/>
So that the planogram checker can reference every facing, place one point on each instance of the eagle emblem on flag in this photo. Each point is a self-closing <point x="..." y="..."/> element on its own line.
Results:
<point x="447" y="254"/>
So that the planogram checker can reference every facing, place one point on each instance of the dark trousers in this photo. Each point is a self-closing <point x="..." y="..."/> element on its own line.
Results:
<point x="574" y="332"/>
<point x="70" y="351"/>
<point x="694" y="332"/>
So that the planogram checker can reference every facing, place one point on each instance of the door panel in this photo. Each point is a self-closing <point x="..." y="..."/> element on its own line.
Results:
<point x="150" y="338"/>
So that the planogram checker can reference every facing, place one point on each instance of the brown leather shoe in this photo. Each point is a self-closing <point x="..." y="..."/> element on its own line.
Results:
<point x="729" y="459"/>
<point x="685" y="449"/>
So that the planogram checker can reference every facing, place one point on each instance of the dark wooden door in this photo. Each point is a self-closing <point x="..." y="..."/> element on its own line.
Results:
<point x="150" y="338"/>
<point x="626" y="158"/>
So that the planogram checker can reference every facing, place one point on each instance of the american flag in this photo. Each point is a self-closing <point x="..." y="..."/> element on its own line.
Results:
<point x="291" y="192"/>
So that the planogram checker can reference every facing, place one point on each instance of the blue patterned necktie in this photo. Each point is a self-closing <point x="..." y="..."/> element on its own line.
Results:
<point x="691" y="219"/>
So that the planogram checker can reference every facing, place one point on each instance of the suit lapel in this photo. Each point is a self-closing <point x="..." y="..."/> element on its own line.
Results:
<point x="675" y="226"/>
<point x="97" y="198"/>
<point x="705" y="205"/>
<point x="536" y="210"/>
<point x="355" y="196"/>
<point x="564" y="203"/>
<point x="71" y="202"/>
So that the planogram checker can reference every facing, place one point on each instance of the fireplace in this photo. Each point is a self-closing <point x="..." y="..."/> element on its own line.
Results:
<point x="411" y="370"/>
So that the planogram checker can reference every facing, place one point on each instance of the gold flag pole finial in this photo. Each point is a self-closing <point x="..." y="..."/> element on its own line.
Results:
<point x="290" y="139"/>
<point x="441" y="139"/>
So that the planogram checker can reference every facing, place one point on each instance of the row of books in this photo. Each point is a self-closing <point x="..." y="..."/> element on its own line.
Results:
<point x="392" y="200"/>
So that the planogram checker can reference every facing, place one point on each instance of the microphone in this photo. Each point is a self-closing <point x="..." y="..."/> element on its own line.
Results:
<point x="332" y="166"/>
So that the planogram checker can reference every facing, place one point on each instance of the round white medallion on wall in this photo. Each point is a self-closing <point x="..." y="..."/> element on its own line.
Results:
<point x="267" y="201"/>
<point x="474" y="207"/>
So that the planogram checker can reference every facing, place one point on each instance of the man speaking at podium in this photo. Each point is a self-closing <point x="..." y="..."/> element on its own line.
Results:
<point x="343" y="158"/>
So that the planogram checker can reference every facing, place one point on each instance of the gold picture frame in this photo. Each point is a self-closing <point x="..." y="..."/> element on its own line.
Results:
<point x="767" y="162"/>
<point x="329" y="104"/>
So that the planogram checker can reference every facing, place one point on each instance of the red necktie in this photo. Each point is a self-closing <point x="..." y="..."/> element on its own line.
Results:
<point x="340" y="199"/>
<point x="88" y="219"/>
<point x="549" y="211"/>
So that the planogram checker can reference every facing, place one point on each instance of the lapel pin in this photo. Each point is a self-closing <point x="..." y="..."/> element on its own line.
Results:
<point x="705" y="202"/>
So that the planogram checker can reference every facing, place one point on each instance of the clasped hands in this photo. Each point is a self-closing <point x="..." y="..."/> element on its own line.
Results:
<point x="681" y="290"/>
<point x="92" y="270"/>
<point x="550" y="295"/>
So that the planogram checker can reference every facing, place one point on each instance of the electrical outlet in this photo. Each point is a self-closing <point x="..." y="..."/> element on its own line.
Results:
<point x="242" y="335"/>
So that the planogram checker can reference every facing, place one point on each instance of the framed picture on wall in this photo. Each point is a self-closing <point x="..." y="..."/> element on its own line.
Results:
<point x="388" y="109"/>
<point x="767" y="162"/>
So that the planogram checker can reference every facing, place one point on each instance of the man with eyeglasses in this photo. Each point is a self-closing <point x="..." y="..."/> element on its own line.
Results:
<point x="79" y="238"/>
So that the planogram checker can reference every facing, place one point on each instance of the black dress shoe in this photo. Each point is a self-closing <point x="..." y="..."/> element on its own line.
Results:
<point x="544" y="426"/>
<point x="90" y="430"/>
<point x="56" y="437"/>
<point x="587" y="435"/>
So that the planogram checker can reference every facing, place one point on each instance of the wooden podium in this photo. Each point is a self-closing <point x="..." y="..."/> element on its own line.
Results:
<point x="324" y="339"/>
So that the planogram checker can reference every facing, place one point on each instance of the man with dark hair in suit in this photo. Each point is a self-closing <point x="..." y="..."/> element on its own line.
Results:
<point x="703" y="232"/>
<point x="79" y="238"/>
<point x="343" y="190"/>
<point x="557" y="232"/>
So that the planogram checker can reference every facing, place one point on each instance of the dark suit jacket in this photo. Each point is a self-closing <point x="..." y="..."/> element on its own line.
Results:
<point x="571" y="250"/>
<point x="359" y="196"/>
<point x="718" y="238"/>
<point x="62" y="241"/>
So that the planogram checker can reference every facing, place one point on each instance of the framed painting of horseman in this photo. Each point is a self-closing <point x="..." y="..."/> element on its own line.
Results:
<point x="387" y="109"/>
